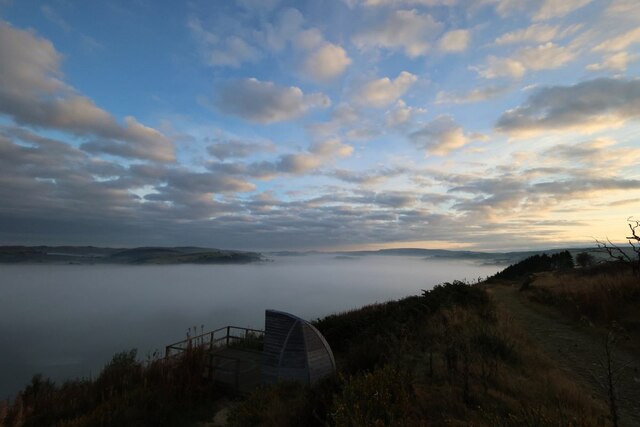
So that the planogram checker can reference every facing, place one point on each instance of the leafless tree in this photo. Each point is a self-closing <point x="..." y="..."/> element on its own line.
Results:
<point x="616" y="252"/>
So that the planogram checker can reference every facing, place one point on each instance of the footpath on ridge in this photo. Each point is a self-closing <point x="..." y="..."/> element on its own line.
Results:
<point x="576" y="349"/>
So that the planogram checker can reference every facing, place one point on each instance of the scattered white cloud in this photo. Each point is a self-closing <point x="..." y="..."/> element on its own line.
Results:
<point x="406" y="30"/>
<point x="536" y="33"/>
<point x="229" y="50"/>
<point x="623" y="8"/>
<point x="617" y="62"/>
<point x="318" y="155"/>
<point x="326" y="63"/>
<point x="252" y="5"/>
<point x="402" y="3"/>
<point x="234" y="148"/>
<point x="474" y="95"/>
<point x="58" y="143"/>
<point x="401" y="114"/>
<point x="440" y="137"/>
<point x="32" y="92"/>
<point x="501" y="67"/>
<point x="585" y="107"/>
<point x="619" y="42"/>
<point x="265" y="102"/>
<point x="557" y="9"/>
<point x="505" y="8"/>
<point x="601" y="155"/>
<point x="286" y="27"/>
<point x="542" y="57"/>
<point x="454" y="41"/>
<point x="384" y="91"/>
<point x="546" y="56"/>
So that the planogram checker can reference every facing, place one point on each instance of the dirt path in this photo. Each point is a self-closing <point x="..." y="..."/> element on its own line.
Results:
<point x="577" y="349"/>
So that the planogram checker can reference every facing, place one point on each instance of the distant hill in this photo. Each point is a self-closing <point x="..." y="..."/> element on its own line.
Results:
<point x="142" y="255"/>
<point x="484" y="257"/>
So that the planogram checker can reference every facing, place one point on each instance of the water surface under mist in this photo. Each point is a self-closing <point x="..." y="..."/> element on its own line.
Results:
<point x="68" y="320"/>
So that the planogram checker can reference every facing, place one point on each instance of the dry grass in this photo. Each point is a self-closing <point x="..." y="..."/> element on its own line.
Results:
<point x="604" y="297"/>
<point x="449" y="358"/>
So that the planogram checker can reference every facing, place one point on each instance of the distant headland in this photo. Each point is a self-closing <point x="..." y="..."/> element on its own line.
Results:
<point x="161" y="255"/>
<point x="135" y="256"/>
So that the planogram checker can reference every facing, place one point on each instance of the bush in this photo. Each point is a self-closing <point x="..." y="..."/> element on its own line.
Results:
<point x="380" y="398"/>
<point x="536" y="264"/>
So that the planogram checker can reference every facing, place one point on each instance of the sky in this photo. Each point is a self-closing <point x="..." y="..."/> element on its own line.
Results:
<point x="344" y="124"/>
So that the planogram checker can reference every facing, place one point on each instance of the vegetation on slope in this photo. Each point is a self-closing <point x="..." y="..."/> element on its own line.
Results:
<point x="447" y="357"/>
<point x="126" y="393"/>
<point x="535" y="264"/>
<point x="607" y="295"/>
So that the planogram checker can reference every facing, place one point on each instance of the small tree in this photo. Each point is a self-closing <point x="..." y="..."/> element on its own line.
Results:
<point x="617" y="253"/>
<point x="584" y="259"/>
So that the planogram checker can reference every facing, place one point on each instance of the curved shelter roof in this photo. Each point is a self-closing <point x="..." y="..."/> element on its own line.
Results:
<point x="294" y="350"/>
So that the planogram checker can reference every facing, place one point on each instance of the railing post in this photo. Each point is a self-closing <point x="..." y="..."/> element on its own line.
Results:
<point x="237" y="374"/>
<point x="211" y="366"/>
<point x="167" y="351"/>
<point x="228" y="328"/>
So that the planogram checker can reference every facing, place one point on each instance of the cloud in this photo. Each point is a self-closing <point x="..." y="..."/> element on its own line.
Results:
<point x="474" y="95"/>
<point x="401" y="114"/>
<point x="364" y="178"/>
<point x="454" y="41"/>
<point x="264" y="102"/>
<point x="619" y="42"/>
<point x="504" y="8"/>
<point x="584" y="107"/>
<point x="501" y="67"/>
<point x="623" y="8"/>
<point x="33" y="93"/>
<point x="229" y="50"/>
<point x="401" y="3"/>
<point x="406" y="30"/>
<point x="383" y="91"/>
<point x="326" y="63"/>
<point x="318" y="155"/>
<point x="536" y="33"/>
<point x="252" y="5"/>
<point x="543" y="57"/>
<point x="599" y="156"/>
<point x="233" y="149"/>
<point x="616" y="62"/>
<point x="287" y="27"/>
<point x="440" y="136"/>
<point x="205" y="182"/>
<point x="55" y="18"/>
<point x="557" y="9"/>
<point x="343" y="115"/>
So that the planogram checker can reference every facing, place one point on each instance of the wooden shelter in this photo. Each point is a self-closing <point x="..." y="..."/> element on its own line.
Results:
<point x="289" y="349"/>
<point x="294" y="350"/>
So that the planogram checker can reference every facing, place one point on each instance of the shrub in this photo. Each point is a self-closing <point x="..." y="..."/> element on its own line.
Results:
<point x="379" y="398"/>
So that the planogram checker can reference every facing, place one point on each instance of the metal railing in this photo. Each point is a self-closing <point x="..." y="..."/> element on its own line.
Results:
<point x="220" y="338"/>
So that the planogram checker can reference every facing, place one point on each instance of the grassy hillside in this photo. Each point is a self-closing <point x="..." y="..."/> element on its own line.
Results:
<point x="447" y="357"/>
<point x="605" y="295"/>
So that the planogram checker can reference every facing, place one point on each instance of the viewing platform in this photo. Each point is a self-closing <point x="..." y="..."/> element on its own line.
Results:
<point x="234" y="353"/>
<point x="289" y="349"/>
